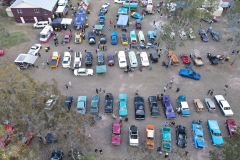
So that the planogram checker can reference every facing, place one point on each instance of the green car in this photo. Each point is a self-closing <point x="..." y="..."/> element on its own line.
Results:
<point x="94" y="104"/>
<point x="166" y="139"/>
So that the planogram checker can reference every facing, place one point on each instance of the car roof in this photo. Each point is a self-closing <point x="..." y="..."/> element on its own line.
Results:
<point x="225" y="103"/>
<point x="184" y="105"/>
<point x="150" y="133"/>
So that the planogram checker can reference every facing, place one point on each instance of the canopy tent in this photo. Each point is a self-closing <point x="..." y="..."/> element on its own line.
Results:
<point x="101" y="69"/>
<point x="66" y="21"/>
<point x="122" y="11"/>
<point x="23" y="60"/>
<point x="122" y="20"/>
<point x="98" y="27"/>
<point x="80" y="17"/>
<point x="56" y="24"/>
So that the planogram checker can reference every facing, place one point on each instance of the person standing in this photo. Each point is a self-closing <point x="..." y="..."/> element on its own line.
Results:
<point x="36" y="65"/>
<point x="226" y="87"/>
<point x="211" y="92"/>
<point x="70" y="84"/>
<point x="96" y="90"/>
<point x="103" y="47"/>
<point x="47" y="62"/>
<point x="208" y="92"/>
<point x="43" y="65"/>
<point x="100" y="90"/>
<point x="110" y="22"/>
<point x="153" y="22"/>
<point x="66" y="86"/>
<point x="178" y="89"/>
<point x="130" y="45"/>
<point x="166" y="155"/>
<point x="55" y="43"/>
<point x="100" y="151"/>
<point x="166" y="123"/>
<point x="108" y="29"/>
<point x="70" y="30"/>
<point x="186" y="152"/>
<point x="200" y="25"/>
<point x="39" y="55"/>
<point x="165" y="88"/>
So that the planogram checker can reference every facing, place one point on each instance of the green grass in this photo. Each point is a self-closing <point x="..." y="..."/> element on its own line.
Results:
<point x="15" y="38"/>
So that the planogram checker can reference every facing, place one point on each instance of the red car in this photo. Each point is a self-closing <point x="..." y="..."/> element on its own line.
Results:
<point x="6" y="138"/>
<point x="185" y="59"/>
<point x="215" y="19"/>
<point x="2" y="52"/>
<point x="232" y="127"/>
<point x="116" y="133"/>
<point x="25" y="141"/>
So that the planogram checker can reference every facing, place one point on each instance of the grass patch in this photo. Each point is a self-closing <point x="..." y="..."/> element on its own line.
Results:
<point x="15" y="38"/>
<point x="3" y="12"/>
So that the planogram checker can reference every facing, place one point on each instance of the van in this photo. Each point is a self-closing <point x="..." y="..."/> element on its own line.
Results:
<point x="174" y="60"/>
<point x="62" y="3"/>
<point x="132" y="59"/>
<point x="41" y="24"/>
<point x="45" y="34"/>
<point x="141" y="37"/>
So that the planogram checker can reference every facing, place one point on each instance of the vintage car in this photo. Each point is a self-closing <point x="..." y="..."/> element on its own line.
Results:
<point x="189" y="74"/>
<point x="24" y="142"/>
<point x="68" y="102"/>
<point x="51" y="102"/>
<point x="215" y="19"/>
<point x="88" y="59"/>
<point x="122" y="59"/>
<point x="94" y="108"/>
<point x="133" y="136"/>
<point x="182" y="103"/>
<point x="138" y="24"/>
<point x="81" y="104"/>
<point x="231" y="126"/>
<point x="224" y="105"/>
<point x="191" y="34"/>
<point x="103" y="39"/>
<point x="204" y="36"/>
<point x="132" y="59"/>
<point x="57" y="155"/>
<point x="55" y="59"/>
<point x="77" y="60"/>
<point x="83" y="72"/>
<point x="149" y="141"/>
<point x="144" y="59"/>
<point x="100" y="58"/>
<point x="102" y="12"/>
<point x="66" y="60"/>
<point x="34" y="49"/>
<point x="173" y="57"/>
<point x="185" y="59"/>
<point x="167" y="107"/>
<point x="139" y="108"/>
<point x="2" y="52"/>
<point x="116" y="133"/>
<point x="109" y="103"/>
<point x="110" y="59"/>
<point x="153" y="106"/>
<point x="166" y="139"/>
<point x="91" y="38"/>
<point x="154" y="57"/>
<point x="198" y="105"/>
<point x="198" y="137"/>
<point x="133" y="37"/>
<point x="215" y="132"/>
<point x="122" y="102"/>
<point x="114" y="38"/>
<point x="67" y="36"/>
<point x="181" y="136"/>
<point x="212" y="58"/>
<point x="183" y="35"/>
<point x="215" y="35"/>
<point x="206" y="19"/>
<point x="78" y="38"/>
<point x="136" y="15"/>
<point x="210" y="105"/>
<point x="197" y="59"/>
<point x="6" y="138"/>
<point x="124" y="39"/>
<point x="105" y="5"/>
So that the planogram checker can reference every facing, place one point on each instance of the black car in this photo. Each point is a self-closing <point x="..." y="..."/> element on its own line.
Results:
<point x="109" y="103"/>
<point x="139" y="108"/>
<point x="138" y="24"/>
<point x="68" y="102"/>
<point x="212" y="58"/>
<point x="153" y="105"/>
<point x="100" y="58"/>
<point x="181" y="136"/>
<point x="57" y="155"/>
<point x="103" y="39"/>
<point x="89" y="59"/>
<point x="91" y="38"/>
<point x="154" y="57"/>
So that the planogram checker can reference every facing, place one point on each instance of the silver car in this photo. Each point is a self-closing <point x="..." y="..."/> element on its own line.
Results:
<point x="210" y="105"/>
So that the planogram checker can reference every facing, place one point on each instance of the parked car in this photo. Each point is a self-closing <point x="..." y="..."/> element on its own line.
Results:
<point x="41" y="24"/>
<point x="153" y="106"/>
<point x="231" y="126"/>
<point x="133" y="37"/>
<point x="183" y="35"/>
<point x="166" y="139"/>
<point x="139" y="108"/>
<point x="215" y="132"/>
<point x="198" y="105"/>
<point x="173" y="58"/>
<point x="138" y="24"/>
<point x="189" y="74"/>
<point x="198" y="137"/>
<point x="8" y="134"/>
<point x="133" y="136"/>
<point x="68" y="102"/>
<point x="109" y="103"/>
<point x="116" y="133"/>
<point x="100" y="58"/>
<point x="82" y="104"/>
<point x="78" y="38"/>
<point x="123" y="109"/>
<point x="124" y="39"/>
<point x="25" y="141"/>
<point x="197" y="59"/>
<point x="224" y="105"/>
<point x="185" y="59"/>
<point x="204" y="36"/>
<point x="67" y="36"/>
<point x="83" y="72"/>
<point x="191" y="34"/>
<point x="34" y="49"/>
<point x="2" y="52"/>
<point x="91" y="38"/>
<point x="51" y="102"/>
<point x="103" y="11"/>
<point x="144" y="59"/>
<point x="210" y="105"/>
<point x="205" y="19"/>
<point x="94" y="108"/>
<point x="105" y="5"/>
<point x="149" y="140"/>
<point x="215" y="19"/>
<point x="110" y="59"/>
<point x="103" y="39"/>
<point x="132" y="59"/>
<point x="136" y="15"/>
<point x="215" y="35"/>
<point x="89" y="59"/>
<point x="181" y="136"/>
<point x="212" y="58"/>
<point x="55" y="59"/>
<point x="77" y="60"/>
<point x="122" y="59"/>
<point x="154" y="57"/>
<point x="66" y="60"/>
<point x="114" y="38"/>
<point x="167" y="107"/>
<point x="57" y="155"/>
<point x="182" y="103"/>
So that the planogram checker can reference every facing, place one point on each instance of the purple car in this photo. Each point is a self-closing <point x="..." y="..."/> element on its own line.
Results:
<point x="167" y="106"/>
<point x="110" y="59"/>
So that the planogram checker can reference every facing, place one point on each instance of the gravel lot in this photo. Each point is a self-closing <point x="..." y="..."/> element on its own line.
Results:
<point x="148" y="82"/>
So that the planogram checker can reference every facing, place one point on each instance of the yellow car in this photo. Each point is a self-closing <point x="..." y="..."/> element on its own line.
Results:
<point x="78" y="38"/>
<point x="124" y="39"/>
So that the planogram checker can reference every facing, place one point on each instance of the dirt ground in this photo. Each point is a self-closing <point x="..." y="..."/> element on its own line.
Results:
<point x="148" y="82"/>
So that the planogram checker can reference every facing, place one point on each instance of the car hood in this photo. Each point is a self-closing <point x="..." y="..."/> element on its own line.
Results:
<point x="200" y="143"/>
<point x="108" y="110"/>
<point x="182" y="143"/>
<point x="93" y="110"/>
<point x="186" y="112"/>
<point x="89" y="71"/>
<point x="116" y="140"/>
<point x="134" y="141"/>
<point x="170" y="115"/>
<point x="198" y="76"/>
<point x="228" y="112"/>
<point x="155" y="114"/>
<point x="217" y="140"/>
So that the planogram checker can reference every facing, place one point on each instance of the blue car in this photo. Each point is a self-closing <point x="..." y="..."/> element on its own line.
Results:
<point x="81" y="104"/>
<point x="123" y="109"/>
<point x="114" y="38"/>
<point x="215" y="36"/>
<point x="183" y="105"/>
<point x="215" y="132"/>
<point x="95" y="104"/>
<point x="204" y="36"/>
<point x="198" y="137"/>
<point x="103" y="12"/>
<point x="189" y="74"/>
<point x="136" y="15"/>
<point x="68" y="102"/>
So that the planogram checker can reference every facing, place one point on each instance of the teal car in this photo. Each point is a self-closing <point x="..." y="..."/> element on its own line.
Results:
<point x="182" y="103"/>
<point x="94" y="104"/>
<point x="166" y="139"/>
<point x="123" y="109"/>
<point x="81" y="104"/>
<point x="215" y="132"/>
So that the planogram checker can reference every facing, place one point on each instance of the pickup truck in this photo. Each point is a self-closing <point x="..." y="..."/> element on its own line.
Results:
<point x="166" y="139"/>
<point x="51" y="102"/>
<point x="212" y="58"/>
<point x="149" y="142"/>
<point x="224" y="105"/>
<point x="139" y="108"/>
<point x="55" y="59"/>
<point x="197" y="60"/>
<point x="103" y="39"/>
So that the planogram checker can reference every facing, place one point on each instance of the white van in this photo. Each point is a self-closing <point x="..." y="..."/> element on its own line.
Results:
<point x="45" y="34"/>
<point x="132" y="59"/>
<point x="119" y="1"/>
<point x="41" y="24"/>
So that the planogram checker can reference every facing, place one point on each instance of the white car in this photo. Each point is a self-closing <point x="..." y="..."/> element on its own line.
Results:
<point x="51" y="102"/>
<point x="66" y="60"/>
<point x="105" y="5"/>
<point x="144" y="59"/>
<point x="34" y="49"/>
<point x="83" y="72"/>
<point x="224" y="105"/>
<point x="77" y="60"/>
<point x="133" y="136"/>
<point x="122" y="59"/>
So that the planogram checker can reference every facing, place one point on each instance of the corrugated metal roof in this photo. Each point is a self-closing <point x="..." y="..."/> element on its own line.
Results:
<point x="44" y="4"/>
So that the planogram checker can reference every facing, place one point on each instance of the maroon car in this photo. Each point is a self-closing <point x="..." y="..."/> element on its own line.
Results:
<point x="232" y="127"/>
<point x="116" y="133"/>
<point x="185" y="59"/>
<point x="68" y="36"/>
<point x="110" y="59"/>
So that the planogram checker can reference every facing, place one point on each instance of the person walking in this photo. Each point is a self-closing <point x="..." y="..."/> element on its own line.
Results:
<point x="200" y="25"/>
<point x="96" y="90"/>
<point x="153" y="22"/>
<point x="166" y="155"/>
<point x="108" y="29"/>
<point x="66" y="86"/>
<point x="208" y="92"/>
<point x="70" y="30"/>
<point x="100" y="151"/>
<point x="106" y="47"/>
<point x="165" y="88"/>
<point x="130" y="45"/>
<point x="211" y="93"/>
<point x="55" y="43"/>
<point x="178" y="89"/>
<point x="166" y="123"/>
<point x="110" y="22"/>
<point x="158" y="44"/>
<point x="36" y="65"/>
<point x="226" y="87"/>
<point x="70" y="84"/>
<point x="47" y="62"/>
<point x="120" y="119"/>
<point x="43" y="65"/>
<point x="186" y="152"/>
<point x="103" y="47"/>
<point x="100" y="90"/>
<point x="96" y="150"/>
<point x="39" y="55"/>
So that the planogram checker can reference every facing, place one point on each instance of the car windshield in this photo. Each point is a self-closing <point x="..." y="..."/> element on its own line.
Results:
<point x="111" y="61"/>
<point x="150" y="138"/>
<point x="65" y="62"/>
<point x="134" y="40"/>
<point x="134" y="137"/>
<point x="79" y="109"/>
<point x="123" y="108"/>
<point x="232" y="129"/>
<point x="226" y="108"/>
<point x="145" y="61"/>
<point x="43" y="36"/>
<point x="122" y="62"/>
<point x="24" y="139"/>
<point x="217" y="134"/>
<point x="199" y="137"/>
<point x="169" y="110"/>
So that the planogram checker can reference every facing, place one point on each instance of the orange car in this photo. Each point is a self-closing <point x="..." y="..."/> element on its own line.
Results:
<point x="174" y="60"/>
<point x="149" y="137"/>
